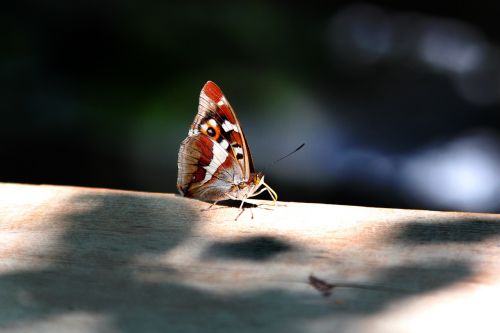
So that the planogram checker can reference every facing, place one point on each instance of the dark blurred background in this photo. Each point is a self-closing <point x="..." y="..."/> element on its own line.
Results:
<point x="397" y="102"/>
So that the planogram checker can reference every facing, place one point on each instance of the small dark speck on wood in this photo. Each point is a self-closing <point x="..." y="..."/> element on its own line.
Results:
<point x="323" y="287"/>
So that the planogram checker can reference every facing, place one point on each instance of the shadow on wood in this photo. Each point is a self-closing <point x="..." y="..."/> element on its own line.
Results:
<point x="455" y="230"/>
<point x="104" y="260"/>
<point x="252" y="248"/>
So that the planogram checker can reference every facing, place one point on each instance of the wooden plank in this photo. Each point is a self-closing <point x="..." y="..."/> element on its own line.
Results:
<point x="95" y="260"/>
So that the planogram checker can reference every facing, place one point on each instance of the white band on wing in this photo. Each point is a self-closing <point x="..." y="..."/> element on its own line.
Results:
<point x="219" y="156"/>
<point x="228" y="126"/>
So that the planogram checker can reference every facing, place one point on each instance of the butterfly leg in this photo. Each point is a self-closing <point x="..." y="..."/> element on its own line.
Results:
<point x="271" y="192"/>
<point x="241" y="212"/>
<point x="242" y="209"/>
<point x="238" y="216"/>
<point x="242" y="203"/>
<point x="211" y="205"/>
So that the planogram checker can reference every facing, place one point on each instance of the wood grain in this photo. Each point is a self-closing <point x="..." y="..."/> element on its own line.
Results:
<point x="96" y="260"/>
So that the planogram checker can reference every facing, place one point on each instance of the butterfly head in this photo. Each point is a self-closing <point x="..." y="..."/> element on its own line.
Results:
<point x="252" y="188"/>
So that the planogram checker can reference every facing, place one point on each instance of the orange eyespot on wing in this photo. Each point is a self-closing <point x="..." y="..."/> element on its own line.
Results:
<point x="211" y="128"/>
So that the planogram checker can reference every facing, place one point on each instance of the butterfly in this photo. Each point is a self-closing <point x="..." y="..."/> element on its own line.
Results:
<point x="214" y="161"/>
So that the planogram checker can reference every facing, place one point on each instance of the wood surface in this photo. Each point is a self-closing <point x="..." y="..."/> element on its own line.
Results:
<point x="95" y="260"/>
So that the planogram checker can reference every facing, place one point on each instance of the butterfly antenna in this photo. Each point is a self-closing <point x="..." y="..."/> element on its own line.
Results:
<point x="283" y="157"/>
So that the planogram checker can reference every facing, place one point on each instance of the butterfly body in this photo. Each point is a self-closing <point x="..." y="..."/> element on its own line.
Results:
<point x="214" y="161"/>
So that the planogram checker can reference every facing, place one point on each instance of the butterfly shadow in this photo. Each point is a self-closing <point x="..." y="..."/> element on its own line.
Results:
<point x="238" y="204"/>
<point x="255" y="248"/>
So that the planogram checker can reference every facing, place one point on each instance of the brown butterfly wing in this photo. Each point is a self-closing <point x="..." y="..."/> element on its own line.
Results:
<point x="215" y="155"/>
<point x="214" y="105"/>
<point x="206" y="170"/>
